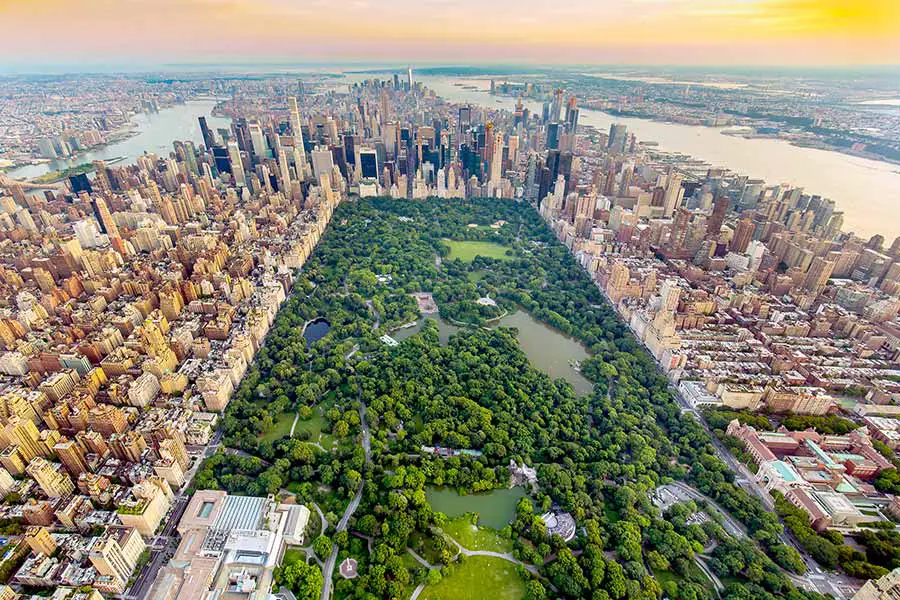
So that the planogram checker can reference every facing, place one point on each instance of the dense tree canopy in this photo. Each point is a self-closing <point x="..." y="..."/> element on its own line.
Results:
<point x="598" y="456"/>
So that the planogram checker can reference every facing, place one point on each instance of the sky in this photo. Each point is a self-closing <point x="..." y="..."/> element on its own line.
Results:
<point x="671" y="32"/>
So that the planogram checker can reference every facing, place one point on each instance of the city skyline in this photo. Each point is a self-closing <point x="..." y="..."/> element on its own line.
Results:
<point x="253" y="321"/>
<point x="684" y="32"/>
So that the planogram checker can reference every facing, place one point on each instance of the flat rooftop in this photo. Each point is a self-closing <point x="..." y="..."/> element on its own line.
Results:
<point x="241" y="512"/>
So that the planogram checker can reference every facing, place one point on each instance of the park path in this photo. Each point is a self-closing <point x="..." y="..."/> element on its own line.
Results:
<point x="322" y="518"/>
<point x="466" y="552"/>
<point x="735" y="527"/>
<point x="328" y="569"/>
<point x="294" y="424"/>
<point x="501" y="555"/>
<point x="421" y="560"/>
<point x="701" y="562"/>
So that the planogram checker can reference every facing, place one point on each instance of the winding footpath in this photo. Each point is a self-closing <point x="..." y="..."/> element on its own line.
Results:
<point x="466" y="552"/>
<point x="328" y="568"/>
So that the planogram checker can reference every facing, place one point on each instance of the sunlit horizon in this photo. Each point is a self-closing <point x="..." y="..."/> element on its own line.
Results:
<point x="635" y="32"/>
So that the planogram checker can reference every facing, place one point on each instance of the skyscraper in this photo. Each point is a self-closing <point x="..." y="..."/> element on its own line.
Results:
<point x="297" y="132"/>
<point x="104" y="217"/>
<point x="571" y="116"/>
<point x="553" y="136"/>
<point x="258" y="142"/>
<point x="674" y="194"/>
<point x="409" y="78"/>
<point x="496" y="165"/>
<point x="368" y="163"/>
<point x="237" y="167"/>
<point x="743" y="233"/>
<point x="618" y="136"/>
<point x="817" y="276"/>
<point x="556" y="107"/>
<point x="208" y="139"/>
<point x="322" y="160"/>
<point x="720" y="208"/>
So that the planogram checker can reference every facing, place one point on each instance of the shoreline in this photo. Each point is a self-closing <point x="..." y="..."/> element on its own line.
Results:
<point x="819" y="145"/>
<point x="121" y="134"/>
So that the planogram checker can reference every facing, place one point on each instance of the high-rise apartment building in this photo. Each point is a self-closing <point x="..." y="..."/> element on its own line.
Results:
<point x="72" y="456"/>
<point x="743" y="234"/>
<point x="116" y="553"/>
<point x="50" y="477"/>
<point x="817" y="276"/>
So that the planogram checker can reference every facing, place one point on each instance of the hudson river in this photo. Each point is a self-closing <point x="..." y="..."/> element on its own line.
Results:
<point x="867" y="191"/>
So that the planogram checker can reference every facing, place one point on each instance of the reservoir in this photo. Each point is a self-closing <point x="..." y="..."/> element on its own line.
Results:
<point x="155" y="133"/>
<point x="867" y="191"/>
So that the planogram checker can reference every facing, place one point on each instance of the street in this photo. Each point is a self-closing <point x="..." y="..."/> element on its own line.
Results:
<point x="815" y="579"/>
<point x="164" y="544"/>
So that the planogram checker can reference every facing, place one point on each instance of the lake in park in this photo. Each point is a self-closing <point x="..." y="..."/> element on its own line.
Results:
<point x="549" y="350"/>
<point x="495" y="508"/>
<point x="316" y="330"/>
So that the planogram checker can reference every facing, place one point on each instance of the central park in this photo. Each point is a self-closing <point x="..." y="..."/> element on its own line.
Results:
<point x="411" y="441"/>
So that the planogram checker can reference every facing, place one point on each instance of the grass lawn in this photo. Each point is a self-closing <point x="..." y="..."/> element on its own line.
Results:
<point x="282" y="428"/>
<point x="424" y="545"/>
<point x="466" y="251"/>
<point x="479" y="577"/>
<point x="612" y="515"/>
<point x="314" y="426"/>
<point x="293" y="555"/>
<point x="476" y="538"/>
<point x="476" y="276"/>
<point x="665" y="576"/>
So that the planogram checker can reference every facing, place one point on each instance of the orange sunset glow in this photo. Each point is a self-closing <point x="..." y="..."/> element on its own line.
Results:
<point x="638" y="31"/>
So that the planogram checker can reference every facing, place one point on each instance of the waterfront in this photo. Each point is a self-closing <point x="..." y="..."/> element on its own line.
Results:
<point x="445" y="329"/>
<point x="154" y="132"/>
<point x="868" y="191"/>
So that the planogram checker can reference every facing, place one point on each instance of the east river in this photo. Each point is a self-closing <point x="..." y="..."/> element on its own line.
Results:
<point x="155" y="132"/>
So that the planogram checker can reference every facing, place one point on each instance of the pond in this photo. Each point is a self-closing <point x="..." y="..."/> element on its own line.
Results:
<point x="315" y="330"/>
<point x="445" y="329"/>
<point x="552" y="352"/>
<point x="495" y="508"/>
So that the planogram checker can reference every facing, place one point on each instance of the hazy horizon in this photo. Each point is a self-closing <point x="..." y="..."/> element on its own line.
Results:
<point x="499" y="68"/>
<point x="636" y="32"/>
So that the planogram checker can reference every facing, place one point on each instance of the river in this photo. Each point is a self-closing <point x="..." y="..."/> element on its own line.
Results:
<point x="155" y="133"/>
<point x="868" y="191"/>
